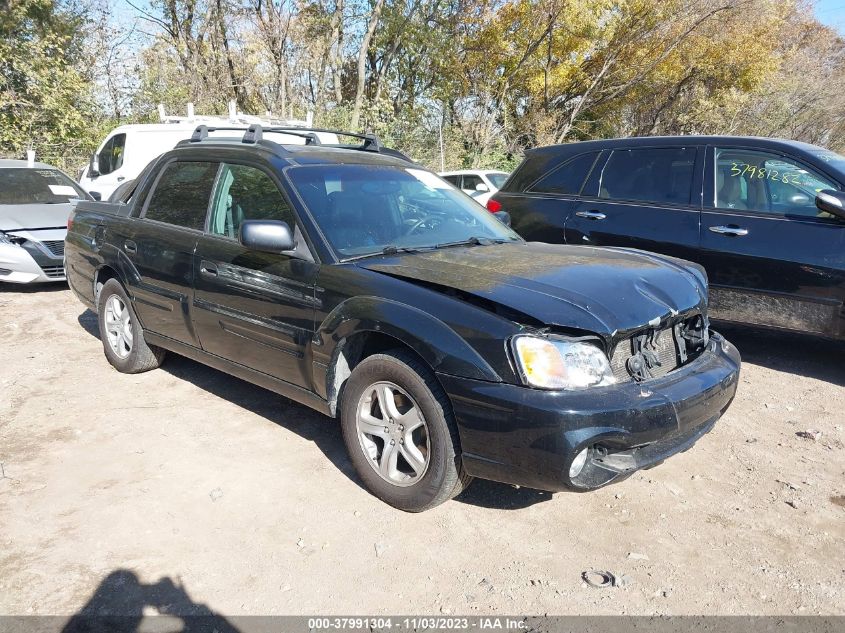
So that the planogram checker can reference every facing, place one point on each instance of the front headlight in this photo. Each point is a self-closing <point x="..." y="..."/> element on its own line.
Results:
<point x="551" y="363"/>
<point x="11" y="239"/>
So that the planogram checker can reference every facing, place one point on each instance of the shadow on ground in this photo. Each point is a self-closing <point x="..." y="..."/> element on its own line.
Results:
<point x="324" y="432"/>
<point x="121" y="601"/>
<point x="789" y="353"/>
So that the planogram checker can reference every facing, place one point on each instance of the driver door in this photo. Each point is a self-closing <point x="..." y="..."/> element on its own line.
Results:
<point x="772" y="257"/>
<point x="250" y="307"/>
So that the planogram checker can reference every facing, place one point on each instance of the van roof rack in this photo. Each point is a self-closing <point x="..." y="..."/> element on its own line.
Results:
<point x="256" y="131"/>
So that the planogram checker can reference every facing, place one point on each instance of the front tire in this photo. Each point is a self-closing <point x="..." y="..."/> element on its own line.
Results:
<point x="122" y="336"/>
<point x="400" y="433"/>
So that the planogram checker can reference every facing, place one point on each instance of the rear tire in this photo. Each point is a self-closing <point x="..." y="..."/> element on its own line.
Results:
<point x="121" y="334"/>
<point x="400" y="433"/>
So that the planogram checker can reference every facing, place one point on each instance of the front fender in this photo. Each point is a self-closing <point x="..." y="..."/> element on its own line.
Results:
<point x="438" y="344"/>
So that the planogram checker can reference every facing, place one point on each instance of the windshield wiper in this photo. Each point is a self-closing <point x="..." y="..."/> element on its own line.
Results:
<point x="387" y="250"/>
<point x="475" y="241"/>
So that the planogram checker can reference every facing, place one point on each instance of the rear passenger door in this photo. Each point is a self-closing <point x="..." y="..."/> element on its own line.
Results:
<point x="772" y="257"/>
<point x="643" y="197"/>
<point x="250" y="307"/>
<point x="160" y="247"/>
<point x="539" y="214"/>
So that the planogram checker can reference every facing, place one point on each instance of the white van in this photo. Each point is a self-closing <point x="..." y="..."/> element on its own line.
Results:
<point x="129" y="148"/>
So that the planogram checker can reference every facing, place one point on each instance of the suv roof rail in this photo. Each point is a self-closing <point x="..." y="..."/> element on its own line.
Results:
<point x="371" y="141"/>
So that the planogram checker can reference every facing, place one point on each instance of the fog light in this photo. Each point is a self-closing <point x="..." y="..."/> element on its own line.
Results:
<point x="578" y="463"/>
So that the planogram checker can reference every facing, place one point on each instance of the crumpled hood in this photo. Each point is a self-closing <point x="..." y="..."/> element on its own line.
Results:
<point x="16" y="217"/>
<point x="600" y="290"/>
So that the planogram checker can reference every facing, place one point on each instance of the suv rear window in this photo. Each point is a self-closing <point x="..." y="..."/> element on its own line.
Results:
<point x="568" y="178"/>
<point x="662" y="175"/>
<point x="36" y="186"/>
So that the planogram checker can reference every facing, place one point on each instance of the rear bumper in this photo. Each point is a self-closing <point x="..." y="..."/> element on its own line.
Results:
<point x="530" y="437"/>
<point x="30" y="263"/>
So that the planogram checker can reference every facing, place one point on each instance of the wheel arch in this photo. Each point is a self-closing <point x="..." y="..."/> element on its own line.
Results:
<point x="364" y="326"/>
<point x="101" y="276"/>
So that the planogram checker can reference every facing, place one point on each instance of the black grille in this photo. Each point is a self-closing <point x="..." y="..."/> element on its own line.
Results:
<point x="661" y="351"/>
<point x="56" y="247"/>
<point x="54" y="271"/>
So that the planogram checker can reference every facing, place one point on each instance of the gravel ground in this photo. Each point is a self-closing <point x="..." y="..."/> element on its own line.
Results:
<point x="189" y="488"/>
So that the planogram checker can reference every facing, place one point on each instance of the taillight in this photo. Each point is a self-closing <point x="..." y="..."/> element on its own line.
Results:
<point x="494" y="206"/>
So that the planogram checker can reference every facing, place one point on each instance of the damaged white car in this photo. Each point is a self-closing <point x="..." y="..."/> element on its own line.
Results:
<point x="35" y="202"/>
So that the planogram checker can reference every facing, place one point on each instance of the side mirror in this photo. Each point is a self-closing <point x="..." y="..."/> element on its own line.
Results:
<point x="268" y="236"/>
<point x="482" y="187"/>
<point x="831" y="201"/>
<point x="96" y="195"/>
<point x="93" y="172"/>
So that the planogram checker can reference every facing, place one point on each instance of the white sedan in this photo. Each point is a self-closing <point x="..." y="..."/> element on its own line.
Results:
<point x="478" y="183"/>
<point x="34" y="208"/>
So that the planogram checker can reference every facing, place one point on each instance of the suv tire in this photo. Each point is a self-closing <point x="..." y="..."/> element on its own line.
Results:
<point x="121" y="334"/>
<point x="407" y="455"/>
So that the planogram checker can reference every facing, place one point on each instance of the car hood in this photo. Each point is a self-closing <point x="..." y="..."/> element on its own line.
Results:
<point x="20" y="217"/>
<point x="601" y="290"/>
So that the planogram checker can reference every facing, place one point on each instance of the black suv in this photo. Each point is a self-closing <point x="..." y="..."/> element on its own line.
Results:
<point x="763" y="216"/>
<point x="370" y="289"/>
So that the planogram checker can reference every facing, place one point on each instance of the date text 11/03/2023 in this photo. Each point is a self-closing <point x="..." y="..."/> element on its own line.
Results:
<point x="418" y="623"/>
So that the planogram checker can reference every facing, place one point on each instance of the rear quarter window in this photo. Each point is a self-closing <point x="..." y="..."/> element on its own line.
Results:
<point x="569" y="178"/>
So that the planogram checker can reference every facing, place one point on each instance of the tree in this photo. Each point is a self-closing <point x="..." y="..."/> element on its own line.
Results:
<point x="45" y="95"/>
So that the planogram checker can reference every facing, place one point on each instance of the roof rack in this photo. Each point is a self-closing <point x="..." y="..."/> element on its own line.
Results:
<point x="256" y="131"/>
<point x="234" y="116"/>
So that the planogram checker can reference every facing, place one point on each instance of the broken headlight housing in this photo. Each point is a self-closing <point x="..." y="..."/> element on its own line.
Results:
<point x="10" y="239"/>
<point x="556" y="363"/>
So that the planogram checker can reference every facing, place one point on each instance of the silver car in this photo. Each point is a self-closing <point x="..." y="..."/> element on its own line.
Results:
<point x="35" y="202"/>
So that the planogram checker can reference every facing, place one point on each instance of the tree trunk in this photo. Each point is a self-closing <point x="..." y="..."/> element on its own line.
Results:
<point x="362" y="63"/>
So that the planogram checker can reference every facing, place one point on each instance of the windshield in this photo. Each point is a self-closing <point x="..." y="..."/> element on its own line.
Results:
<point x="36" y="186"/>
<point x="365" y="209"/>
<point x="837" y="161"/>
<point x="497" y="178"/>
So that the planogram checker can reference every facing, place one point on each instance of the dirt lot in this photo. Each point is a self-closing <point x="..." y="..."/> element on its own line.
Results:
<point x="245" y="501"/>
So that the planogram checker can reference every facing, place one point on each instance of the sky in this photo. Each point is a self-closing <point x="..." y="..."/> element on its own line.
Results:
<point x="832" y="13"/>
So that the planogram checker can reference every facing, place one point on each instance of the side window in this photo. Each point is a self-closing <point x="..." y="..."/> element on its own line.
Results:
<point x="455" y="180"/>
<point x="568" y="178"/>
<point x="181" y="195"/>
<point x="752" y="180"/>
<point x="110" y="157"/>
<point x="471" y="181"/>
<point x="662" y="175"/>
<point x="246" y="193"/>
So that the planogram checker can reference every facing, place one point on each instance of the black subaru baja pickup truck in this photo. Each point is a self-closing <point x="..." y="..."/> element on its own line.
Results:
<point x="366" y="287"/>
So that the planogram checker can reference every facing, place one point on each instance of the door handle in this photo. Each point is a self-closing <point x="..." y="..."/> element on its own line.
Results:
<point x="591" y="215"/>
<point x="121" y="178"/>
<point x="130" y="246"/>
<point x="733" y="231"/>
<point x="208" y="269"/>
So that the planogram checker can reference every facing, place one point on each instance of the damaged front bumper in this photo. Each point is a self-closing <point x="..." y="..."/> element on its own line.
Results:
<point x="530" y="437"/>
<point x="35" y="256"/>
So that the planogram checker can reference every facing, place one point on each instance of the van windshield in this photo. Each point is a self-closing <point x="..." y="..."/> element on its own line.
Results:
<point x="365" y="209"/>
<point x="37" y="186"/>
